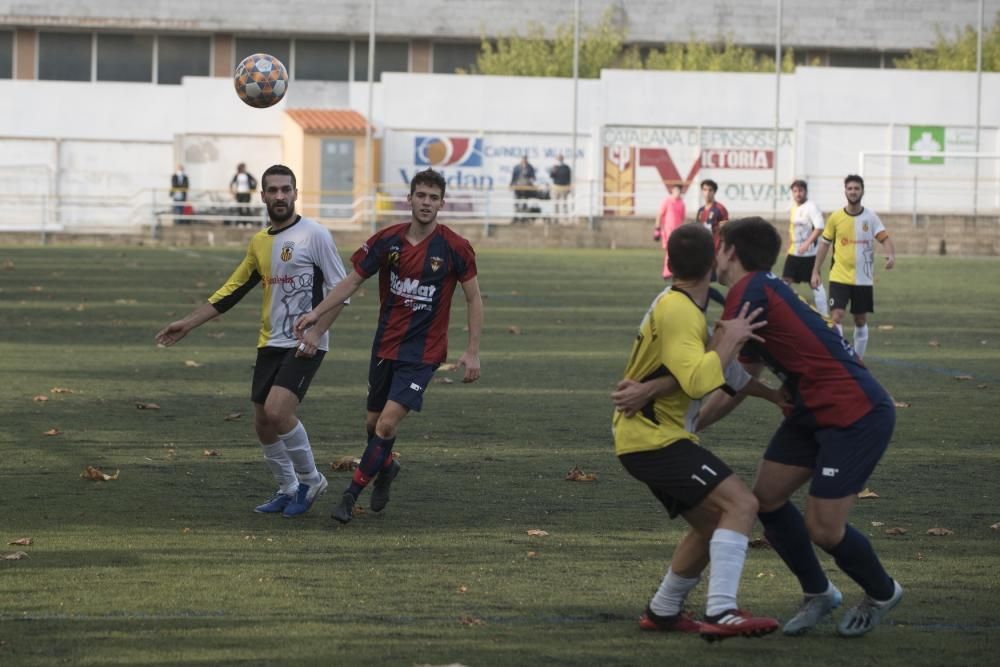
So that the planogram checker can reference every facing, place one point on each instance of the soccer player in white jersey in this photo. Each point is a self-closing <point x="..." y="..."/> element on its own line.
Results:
<point x="296" y="262"/>
<point x="805" y="224"/>
<point x="852" y="232"/>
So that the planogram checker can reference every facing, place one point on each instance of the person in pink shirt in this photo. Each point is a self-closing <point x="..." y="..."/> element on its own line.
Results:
<point x="670" y="217"/>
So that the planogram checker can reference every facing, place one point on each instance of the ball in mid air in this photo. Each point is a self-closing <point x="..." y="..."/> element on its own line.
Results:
<point x="261" y="80"/>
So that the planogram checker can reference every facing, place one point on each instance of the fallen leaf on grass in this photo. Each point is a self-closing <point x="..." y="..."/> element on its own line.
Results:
<point x="232" y="416"/>
<point x="211" y="452"/>
<point x="125" y="302"/>
<point x="8" y="265"/>
<point x="41" y="398"/>
<point x="22" y="542"/>
<point x="185" y="531"/>
<point x="964" y="378"/>
<point x="940" y="532"/>
<point x="901" y="404"/>
<point x="868" y="493"/>
<point x="17" y="555"/>
<point x="577" y="475"/>
<point x="147" y="406"/>
<point x="217" y="334"/>
<point x="886" y="327"/>
<point x="982" y="386"/>
<point x="348" y="463"/>
<point x="463" y="588"/>
<point x="200" y="284"/>
<point x="920" y="556"/>
<point x="767" y="575"/>
<point x="514" y="330"/>
<point x="447" y="368"/>
<point x="191" y="363"/>
<point x="471" y="620"/>
<point x="61" y="390"/>
<point x="444" y="380"/>
<point x="53" y="431"/>
<point x="996" y="526"/>
<point x="534" y="532"/>
<point x="36" y="288"/>
<point x="96" y="475"/>
<point x="759" y="543"/>
<point x="877" y="524"/>
<point x="933" y="343"/>
<point x="532" y="554"/>
<point x="895" y="531"/>
<point x="358" y="510"/>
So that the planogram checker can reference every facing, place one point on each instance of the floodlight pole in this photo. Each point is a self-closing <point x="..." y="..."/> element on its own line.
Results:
<point x="979" y="96"/>
<point x="368" y="185"/>
<point x="576" y="93"/>
<point x="777" y="112"/>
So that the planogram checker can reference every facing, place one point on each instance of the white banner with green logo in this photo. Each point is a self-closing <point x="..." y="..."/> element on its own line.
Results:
<point x="928" y="140"/>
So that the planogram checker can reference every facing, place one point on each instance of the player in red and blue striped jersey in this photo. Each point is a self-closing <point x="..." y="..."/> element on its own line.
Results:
<point x="419" y="264"/>
<point x="834" y="435"/>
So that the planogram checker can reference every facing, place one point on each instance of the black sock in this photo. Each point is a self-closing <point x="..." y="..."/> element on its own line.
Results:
<point x="856" y="557"/>
<point x="786" y="530"/>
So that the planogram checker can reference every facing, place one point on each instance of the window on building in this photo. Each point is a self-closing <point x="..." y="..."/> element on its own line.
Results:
<point x="855" y="59"/>
<point x="389" y="57"/>
<point x="322" y="60"/>
<point x="6" y="54"/>
<point x="450" y="57"/>
<point x="279" y="48"/>
<point x="124" y="57"/>
<point x="64" y="56"/>
<point x="179" y="56"/>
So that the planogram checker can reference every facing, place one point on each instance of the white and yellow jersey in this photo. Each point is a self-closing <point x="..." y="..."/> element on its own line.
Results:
<point x="801" y="223"/>
<point x="672" y="340"/>
<point x="297" y="265"/>
<point x="853" y="239"/>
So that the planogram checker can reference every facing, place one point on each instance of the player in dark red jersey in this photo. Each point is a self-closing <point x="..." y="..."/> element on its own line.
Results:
<point x="833" y="436"/>
<point x="419" y="263"/>
<point x="713" y="214"/>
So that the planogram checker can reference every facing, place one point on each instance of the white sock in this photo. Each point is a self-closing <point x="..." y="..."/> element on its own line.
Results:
<point x="728" y="551"/>
<point x="819" y="294"/>
<point x="299" y="451"/>
<point x="861" y="340"/>
<point x="276" y="456"/>
<point x="674" y="589"/>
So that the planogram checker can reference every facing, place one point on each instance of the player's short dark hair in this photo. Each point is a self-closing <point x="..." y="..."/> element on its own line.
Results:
<point x="710" y="183"/>
<point x="854" y="178"/>
<point x="690" y="251"/>
<point x="799" y="183"/>
<point x="756" y="241"/>
<point x="428" y="177"/>
<point x="276" y="170"/>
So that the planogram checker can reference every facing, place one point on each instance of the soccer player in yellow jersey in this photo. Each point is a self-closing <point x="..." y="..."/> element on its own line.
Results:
<point x="656" y="442"/>
<point x="852" y="232"/>
<point x="296" y="262"/>
<point x="805" y="224"/>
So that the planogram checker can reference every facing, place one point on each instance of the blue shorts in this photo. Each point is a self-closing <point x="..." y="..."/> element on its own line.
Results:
<point x="402" y="381"/>
<point x="842" y="459"/>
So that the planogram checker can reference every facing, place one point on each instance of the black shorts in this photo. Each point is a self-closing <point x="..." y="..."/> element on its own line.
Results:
<point x="401" y="381"/>
<point x="799" y="269"/>
<point x="861" y="297"/>
<point x="680" y="475"/>
<point x="278" y="366"/>
<point x="842" y="459"/>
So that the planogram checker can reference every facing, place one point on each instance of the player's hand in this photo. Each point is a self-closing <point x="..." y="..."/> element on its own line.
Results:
<point x="303" y="323"/>
<point x="470" y="362"/>
<point x="890" y="262"/>
<point x="172" y="333"/>
<point x="803" y="248"/>
<point x="656" y="234"/>
<point x="629" y="397"/>
<point x="742" y="326"/>
<point x="309" y="344"/>
<point x="814" y="280"/>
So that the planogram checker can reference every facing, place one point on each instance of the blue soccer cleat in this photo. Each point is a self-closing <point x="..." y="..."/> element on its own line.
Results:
<point x="304" y="498"/>
<point x="276" y="504"/>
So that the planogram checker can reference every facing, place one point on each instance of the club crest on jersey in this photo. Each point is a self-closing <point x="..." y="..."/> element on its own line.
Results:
<point x="286" y="250"/>
<point x="393" y="256"/>
<point x="436" y="263"/>
<point x="864" y="226"/>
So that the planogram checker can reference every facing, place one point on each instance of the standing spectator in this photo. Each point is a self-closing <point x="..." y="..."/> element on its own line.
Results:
<point x="712" y="214"/>
<point x="179" y="185"/>
<point x="855" y="229"/>
<point x="805" y="224"/>
<point x="561" y="176"/>
<point x="522" y="182"/>
<point x="242" y="185"/>
<point x="670" y="217"/>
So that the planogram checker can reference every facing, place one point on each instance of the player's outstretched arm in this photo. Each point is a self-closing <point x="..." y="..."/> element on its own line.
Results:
<point x="821" y="250"/>
<point x="310" y="338"/>
<point x="175" y="331"/>
<point x="337" y="296"/>
<point x="474" y="304"/>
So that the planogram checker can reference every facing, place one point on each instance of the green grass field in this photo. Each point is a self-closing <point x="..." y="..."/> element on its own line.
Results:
<point x="168" y="565"/>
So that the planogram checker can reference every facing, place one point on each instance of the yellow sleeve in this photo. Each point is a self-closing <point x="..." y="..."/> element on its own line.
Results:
<point x="830" y="230"/>
<point x="244" y="278"/>
<point x="682" y="348"/>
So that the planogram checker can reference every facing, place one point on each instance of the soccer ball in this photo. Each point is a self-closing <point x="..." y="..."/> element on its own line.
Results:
<point x="261" y="80"/>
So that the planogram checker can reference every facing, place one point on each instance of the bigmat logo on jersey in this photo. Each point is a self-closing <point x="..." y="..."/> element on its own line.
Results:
<point x="641" y="163"/>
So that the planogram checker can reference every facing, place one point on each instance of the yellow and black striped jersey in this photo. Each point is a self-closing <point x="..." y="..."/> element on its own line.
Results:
<point x="297" y="265"/>
<point x="853" y="238"/>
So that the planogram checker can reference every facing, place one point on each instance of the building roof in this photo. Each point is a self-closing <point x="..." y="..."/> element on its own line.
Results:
<point x="321" y="121"/>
